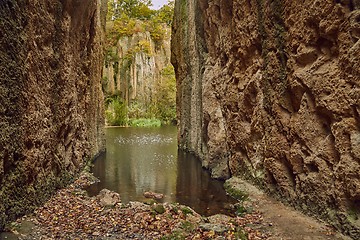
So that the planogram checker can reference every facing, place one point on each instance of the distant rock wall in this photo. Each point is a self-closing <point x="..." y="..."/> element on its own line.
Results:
<point x="135" y="66"/>
<point x="270" y="90"/>
<point x="51" y="111"/>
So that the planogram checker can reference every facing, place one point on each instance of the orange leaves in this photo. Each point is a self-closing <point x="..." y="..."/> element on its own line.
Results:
<point x="71" y="214"/>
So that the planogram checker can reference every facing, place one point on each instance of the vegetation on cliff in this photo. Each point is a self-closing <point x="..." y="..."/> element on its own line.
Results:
<point x="131" y="16"/>
<point x="140" y="88"/>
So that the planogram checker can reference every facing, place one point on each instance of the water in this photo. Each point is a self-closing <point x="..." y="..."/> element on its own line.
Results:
<point x="147" y="159"/>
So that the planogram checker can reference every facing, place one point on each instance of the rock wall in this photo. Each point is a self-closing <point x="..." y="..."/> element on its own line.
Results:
<point x="135" y="66"/>
<point x="270" y="90"/>
<point x="51" y="112"/>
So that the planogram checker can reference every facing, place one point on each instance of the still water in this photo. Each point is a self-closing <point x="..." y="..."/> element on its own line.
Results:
<point x="147" y="159"/>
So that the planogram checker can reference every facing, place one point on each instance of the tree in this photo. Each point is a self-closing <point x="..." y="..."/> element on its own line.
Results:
<point x="165" y="95"/>
<point x="166" y="12"/>
<point x="110" y="11"/>
<point x="139" y="9"/>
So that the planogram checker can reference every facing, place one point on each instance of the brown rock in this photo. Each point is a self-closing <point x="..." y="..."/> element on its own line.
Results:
<point x="108" y="198"/>
<point x="153" y="195"/>
<point x="51" y="111"/>
<point x="270" y="90"/>
<point x="219" y="218"/>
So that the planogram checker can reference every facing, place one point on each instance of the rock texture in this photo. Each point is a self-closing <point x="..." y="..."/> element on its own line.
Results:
<point x="270" y="90"/>
<point x="51" y="112"/>
<point x="108" y="198"/>
<point x="135" y="66"/>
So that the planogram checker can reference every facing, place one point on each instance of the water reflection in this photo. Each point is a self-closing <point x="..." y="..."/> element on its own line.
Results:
<point x="195" y="187"/>
<point x="146" y="159"/>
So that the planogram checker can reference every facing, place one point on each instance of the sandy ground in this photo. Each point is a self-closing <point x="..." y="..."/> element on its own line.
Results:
<point x="283" y="221"/>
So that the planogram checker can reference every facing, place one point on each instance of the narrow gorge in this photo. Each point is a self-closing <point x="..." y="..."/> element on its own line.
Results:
<point x="51" y="110"/>
<point x="265" y="93"/>
<point x="270" y="91"/>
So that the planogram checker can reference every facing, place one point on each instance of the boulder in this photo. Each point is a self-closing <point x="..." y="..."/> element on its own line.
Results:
<point x="218" y="228"/>
<point x="153" y="195"/>
<point x="108" y="198"/>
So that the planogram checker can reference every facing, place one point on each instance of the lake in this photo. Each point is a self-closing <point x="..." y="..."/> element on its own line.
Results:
<point x="147" y="159"/>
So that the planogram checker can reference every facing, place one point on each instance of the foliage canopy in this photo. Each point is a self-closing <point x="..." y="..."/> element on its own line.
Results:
<point x="131" y="16"/>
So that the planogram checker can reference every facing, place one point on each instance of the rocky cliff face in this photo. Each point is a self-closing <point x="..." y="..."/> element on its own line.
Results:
<point x="270" y="90"/>
<point x="51" y="112"/>
<point x="134" y="66"/>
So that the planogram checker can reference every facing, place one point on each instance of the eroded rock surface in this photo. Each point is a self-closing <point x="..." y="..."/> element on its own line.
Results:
<point x="270" y="90"/>
<point x="135" y="65"/>
<point x="51" y="112"/>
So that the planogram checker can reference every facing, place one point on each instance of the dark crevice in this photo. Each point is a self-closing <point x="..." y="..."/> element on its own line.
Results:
<point x="349" y="3"/>
<point x="271" y="179"/>
<point x="305" y="152"/>
<point x="335" y="150"/>
<point x="312" y="167"/>
<point x="206" y="121"/>
<point x="356" y="115"/>
<point x="355" y="208"/>
<point x="325" y="117"/>
<point x="29" y="144"/>
<point x="297" y="94"/>
<point x="289" y="172"/>
<point x="92" y="32"/>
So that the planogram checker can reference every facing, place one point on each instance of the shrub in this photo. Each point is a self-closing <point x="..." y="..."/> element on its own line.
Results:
<point x="116" y="113"/>
<point x="145" y="122"/>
